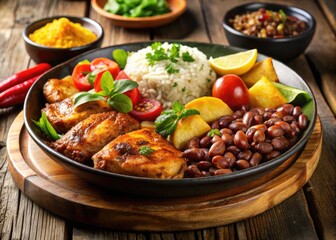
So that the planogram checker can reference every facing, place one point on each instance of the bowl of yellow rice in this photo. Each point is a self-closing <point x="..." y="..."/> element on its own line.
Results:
<point x="56" y="39"/>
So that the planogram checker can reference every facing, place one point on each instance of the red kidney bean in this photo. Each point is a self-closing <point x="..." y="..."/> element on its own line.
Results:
<point x="218" y="148"/>
<point x="295" y="127"/>
<point x="258" y="111"/>
<point x="238" y="114"/>
<point x="226" y="130"/>
<point x="194" y="154"/>
<point x="205" y="174"/>
<point x="250" y="133"/>
<point x="271" y="121"/>
<point x="303" y="121"/>
<point x="272" y="110"/>
<point x="246" y="155"/>
<point x="193" y="171"/>
<point x="255" y="159"/>
<point x="205" y="141"/>
<point x="261" y="127"/>
<point x="228" y="139"/>
<point x="194" y="143"/>
<point x="288" y="118"/>
<point x="240" y="140"/>
<point x="248" y="118"/>
<point x="259" y="136"/>
<point x="233" y="149"/>
<point x="264" y="148"/>
<point x="204" y="165"/>
<point x="279" y="143"/>
<point x="215" y="138"/>
<point x="285" y="109"/>
<point x="242" y="164"/>
<point x="267" y="115"/>
<point x="225" y="121"/>
<point x="275" y="131"/>
<point x="220" y="162"/>
<point x="277" y="115"/>
<point x="236" y="126"/>
<point x="222" y="171"/>
<point x="231" y="158"/>
<point x="297" y="111"/>
<point x="272" y="155"/>
<point x="284" y="125"/>
<point x="257" y="119"/>
<point x="245" y="108"/>
<point x="215" y="125"/>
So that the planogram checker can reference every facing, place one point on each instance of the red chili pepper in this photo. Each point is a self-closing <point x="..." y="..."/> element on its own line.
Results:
<point x="16" y="95"/>
<point x="24" y="76"/>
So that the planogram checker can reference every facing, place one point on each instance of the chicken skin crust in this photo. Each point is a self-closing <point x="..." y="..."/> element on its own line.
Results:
<point x="56" y="90"/>
<point x="142" y="153"/>
<point x="93" y="133"/>
<point x="63" y="116"/>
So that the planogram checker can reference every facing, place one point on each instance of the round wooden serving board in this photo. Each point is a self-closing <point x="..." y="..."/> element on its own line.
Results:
<point x="61" y="192"/>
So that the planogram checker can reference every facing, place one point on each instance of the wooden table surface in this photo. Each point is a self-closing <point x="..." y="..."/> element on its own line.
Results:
<point x="308" y="214"/>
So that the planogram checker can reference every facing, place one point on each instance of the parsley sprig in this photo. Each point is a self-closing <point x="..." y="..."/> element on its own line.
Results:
<point x="146" y="150"/>
<point x="112" y="93"/>
<point x="171" y="55"/>
<point x="166" y="123"/>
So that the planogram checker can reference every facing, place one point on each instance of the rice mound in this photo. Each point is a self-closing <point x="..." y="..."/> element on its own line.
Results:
<point x="193" y="79"/>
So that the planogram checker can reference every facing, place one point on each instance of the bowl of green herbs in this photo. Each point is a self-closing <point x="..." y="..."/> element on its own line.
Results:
<point x="140" y="13"/>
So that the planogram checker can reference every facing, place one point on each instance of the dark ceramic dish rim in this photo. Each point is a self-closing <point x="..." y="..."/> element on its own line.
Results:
<point x="242" y="9"/>
<point x="172" y="182"/>
<point x="26" y="32"/>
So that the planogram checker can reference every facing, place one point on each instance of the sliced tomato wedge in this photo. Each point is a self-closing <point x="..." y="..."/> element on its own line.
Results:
<point x="146" y="110"/>
<point x="102" y="64"/>
<point x="133" y="94"/>
<point x="80" y="76"/>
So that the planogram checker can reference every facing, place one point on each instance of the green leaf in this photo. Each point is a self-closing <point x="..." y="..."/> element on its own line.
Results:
<point x="283" y="16"/>
<point x="146" y="150"/>
<point x="186" y="57"/>
<point x="120" y="56"/>
<point x="46" y="127"/>
<point x="122" y="86"/>
<point x="188" y="112"/>
<point x="120" y="102"/>
<point x="91" y="78"/>
<point x="84" y="97"/>
<point x="107" y="83"/>
<point x="177" y="107"/>
<point x="297" y="97"/>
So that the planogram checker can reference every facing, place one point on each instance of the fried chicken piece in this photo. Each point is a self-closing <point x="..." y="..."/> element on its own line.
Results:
<point x="142" y="153"/>
<point x="56" y="90"/>
<point x="93" y="133"/>
<point x="63" y="116"/>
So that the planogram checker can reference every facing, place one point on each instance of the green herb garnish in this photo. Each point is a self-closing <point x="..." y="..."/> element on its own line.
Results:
<point x="112" y="93"/>
<point x="186" y="57"/>
<point x="214" y="132"/>
<point x="46" y="127"/>
<point x="120" y="56"/>
<point x="146" y="150"/>
<point x="171" y="56"/>
<point x="283" y="16"/>
<point x="166" y="123"/>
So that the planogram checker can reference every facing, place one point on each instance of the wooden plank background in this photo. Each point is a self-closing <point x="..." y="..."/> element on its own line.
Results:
<point x="309" y="214"/>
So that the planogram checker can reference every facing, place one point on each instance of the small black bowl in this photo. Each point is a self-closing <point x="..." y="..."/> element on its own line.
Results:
<point x="283" y="49"/>
<point x="54" y="56"/>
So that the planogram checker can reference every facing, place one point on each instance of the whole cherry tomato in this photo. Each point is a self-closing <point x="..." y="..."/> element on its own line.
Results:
<point x="80" y="76"/>
<point x="232" y="90"/>
<point x="146" y="110"/>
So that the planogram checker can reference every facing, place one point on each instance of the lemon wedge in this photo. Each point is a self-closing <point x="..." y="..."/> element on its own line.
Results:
<point x="238" y="63"/>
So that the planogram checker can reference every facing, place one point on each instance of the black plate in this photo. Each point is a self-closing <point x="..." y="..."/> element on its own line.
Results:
<point x="156" y="187"/>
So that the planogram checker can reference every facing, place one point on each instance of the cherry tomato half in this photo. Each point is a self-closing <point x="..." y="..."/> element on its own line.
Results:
<point x="102" y="64"/>
<point x="232" y="90"/>
<point x="146" y="110"/>
<point x="133" y="94"/>
<point x="80" y="76"/>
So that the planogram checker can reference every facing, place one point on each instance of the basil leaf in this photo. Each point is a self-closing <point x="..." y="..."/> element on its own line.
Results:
<point x="91" y="78"/>
<point x="85" y="97"/>
<point x="107" y="83"/>
<point x="177" y="107"/>
<point x="120" y="56"/>
<point x="120" y="102"/>
<point x="188" y="112"/>
<point x="122" y="86"/>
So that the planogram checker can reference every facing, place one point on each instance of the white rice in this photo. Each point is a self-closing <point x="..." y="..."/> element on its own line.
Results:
<point x="193" y="79"/>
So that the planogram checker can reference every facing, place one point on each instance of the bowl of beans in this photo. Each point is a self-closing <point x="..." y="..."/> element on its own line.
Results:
<point x="280" y="31"/>
<point x="56" y="39"/>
